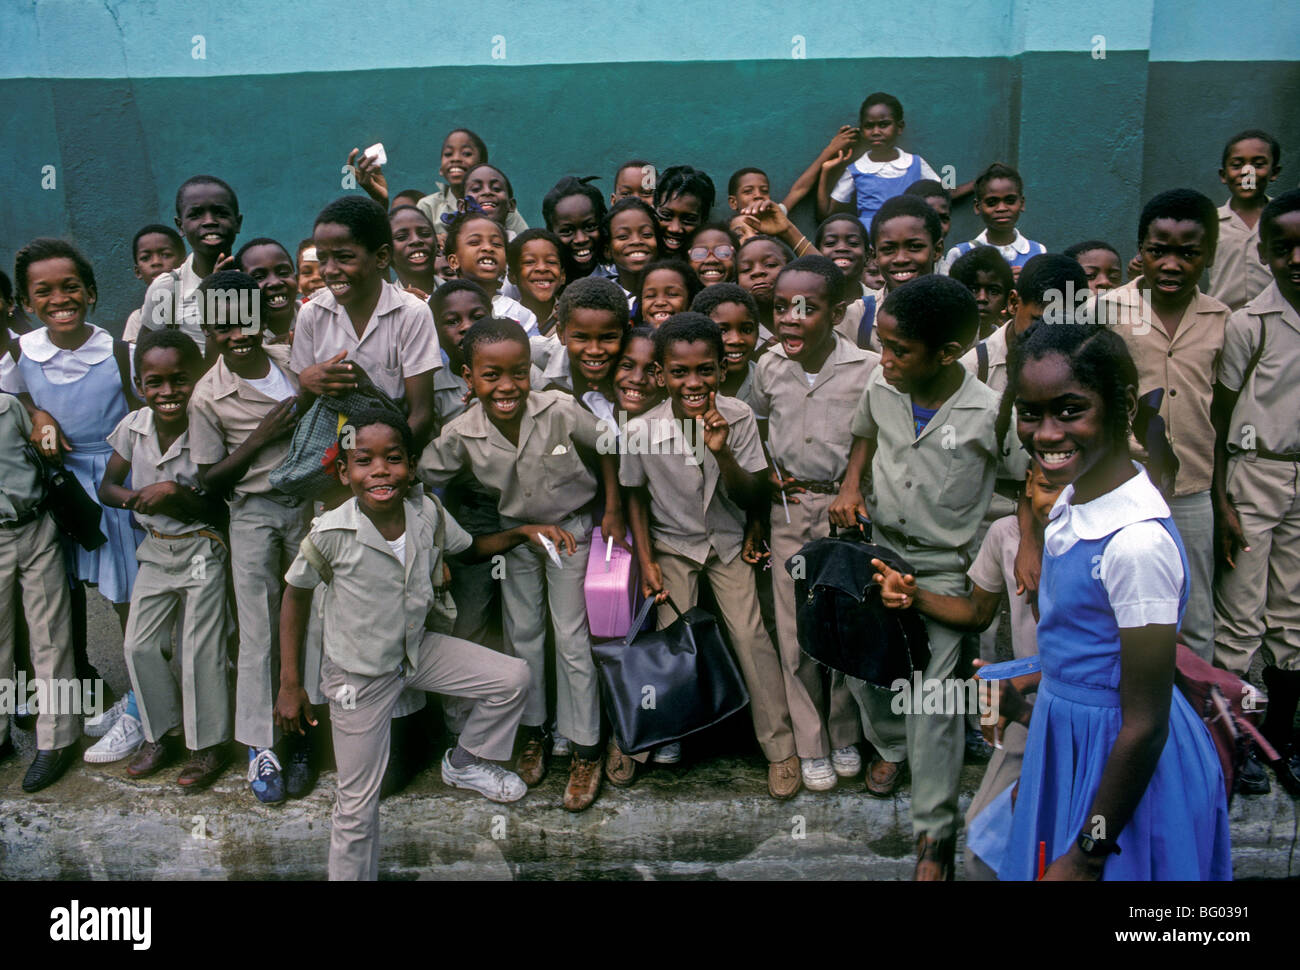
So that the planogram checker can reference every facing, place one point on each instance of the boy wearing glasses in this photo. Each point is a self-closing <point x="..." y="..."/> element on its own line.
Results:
<point x="1175" y="334"/>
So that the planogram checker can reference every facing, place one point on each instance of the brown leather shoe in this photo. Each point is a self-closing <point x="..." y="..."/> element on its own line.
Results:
<point x="204" y="767"/>
<point x="935" y="859"/>
<point x="531" y="766"/>
<point x="783" y="778"/>
<point x="584" y="784"/>
<point x="619" y="768"/>
<point x="883" y="777"/>
<point x="154" y="756"/>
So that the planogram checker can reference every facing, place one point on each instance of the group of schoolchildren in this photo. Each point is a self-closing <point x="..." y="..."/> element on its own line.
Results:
<point x="785" y="386"/>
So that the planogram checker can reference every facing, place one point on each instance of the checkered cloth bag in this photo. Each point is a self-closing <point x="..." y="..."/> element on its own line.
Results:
<point x="308" y="469"/>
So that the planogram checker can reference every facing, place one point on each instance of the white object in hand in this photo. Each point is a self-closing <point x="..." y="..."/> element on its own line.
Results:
<point x="609" y="552"/>
<point x="551" y="551"/>
<point x="376" y="153"/>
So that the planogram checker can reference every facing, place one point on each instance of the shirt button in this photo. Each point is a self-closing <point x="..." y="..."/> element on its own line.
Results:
<point x="1171" y="353"/>
<point x="1173" y="392"/>
<point x="907" y="484"/>
<point x="902" y="521"/>
<point x="807" y="440"/>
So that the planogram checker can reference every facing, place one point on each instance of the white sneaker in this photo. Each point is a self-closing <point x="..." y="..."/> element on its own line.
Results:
<point x="120" y="742"/>
<point x="846" y="762"/>
<point x="97" y="727"/>
<point x="491" y="781"/>
<point x="668" y="754"/>
<point x="818" y="775"/>
<point x="561" y="747"/>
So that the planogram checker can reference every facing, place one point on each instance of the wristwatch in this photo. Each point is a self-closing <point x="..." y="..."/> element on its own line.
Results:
<point x="1097" y="848"/>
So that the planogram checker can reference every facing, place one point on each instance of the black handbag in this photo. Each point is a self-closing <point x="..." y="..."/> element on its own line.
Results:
<point x="666" y="684"/>
<point x="75" y="513"/>
<point x="842" y="621"/>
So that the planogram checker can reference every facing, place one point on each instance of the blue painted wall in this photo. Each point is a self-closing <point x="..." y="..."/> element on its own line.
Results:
<point x="112" y="95"/>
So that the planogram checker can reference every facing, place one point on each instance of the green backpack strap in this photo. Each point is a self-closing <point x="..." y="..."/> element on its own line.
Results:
<point x="317" y="561"/>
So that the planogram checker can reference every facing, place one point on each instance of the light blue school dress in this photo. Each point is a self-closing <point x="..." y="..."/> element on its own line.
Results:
<point x="1180" y="828"/>
<point x="88" y="409"/>
<point x="872" y="191"/>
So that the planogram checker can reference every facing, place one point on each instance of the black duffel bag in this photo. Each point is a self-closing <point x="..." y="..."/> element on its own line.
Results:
<point x="663" y="685"/>
<point x="842" y="622"/>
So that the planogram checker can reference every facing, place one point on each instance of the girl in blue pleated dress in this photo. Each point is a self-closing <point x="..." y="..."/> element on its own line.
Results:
<point x="69" y="378"/>
<point x="1120" y="779"/>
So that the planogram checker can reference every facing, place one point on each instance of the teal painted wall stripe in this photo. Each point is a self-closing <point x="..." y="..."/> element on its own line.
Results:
<point x="155" y="38"/>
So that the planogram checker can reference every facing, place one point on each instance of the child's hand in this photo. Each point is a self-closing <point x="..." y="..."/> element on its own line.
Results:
<point x="223" y="263"/>
<point x="417" y="292"/>
<point x="786" y="485"/>
<point x="751" y="551"/>
<point x="1135" y="267"/>
<point x="48" y="437"/>
<point x="1228" y="532"/>
<point x="291" y="709"/>
<point x="768" y="216"/>
<point x="154" y="498"/>
<point x="370" y="176"/>
<point x="613" y="526"/>
<point x="716" y="428"/>
<point x="897" y="591"/>
<point x="837" y="160"/>
<point x="278" y="422"/>
<point x="843" y="143"/>
<point x="333" y="377"/>
<point x="1074" y="866"/>
<point x="846" y="508"/>
<point x="652" y="581"/>
<point x="561" y="539"/>
<point x="1005" y="698"/>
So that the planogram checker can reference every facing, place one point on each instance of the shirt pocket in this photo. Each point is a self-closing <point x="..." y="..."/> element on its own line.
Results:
<point x="963" y="482"/>
<point x="564" y="469"/>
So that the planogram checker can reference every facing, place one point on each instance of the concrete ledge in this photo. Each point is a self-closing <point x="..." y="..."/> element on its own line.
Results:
<point x="711" y="820"/>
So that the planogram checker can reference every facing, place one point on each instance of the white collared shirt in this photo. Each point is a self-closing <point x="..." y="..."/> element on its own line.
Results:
<point x="1140" y="567"/>
<point x="10" y="382"/>
<point x="60" y="366"/>
<point x="503" y="306"/>
<point x="173" y="300"/>
<point x="894" y="168"/>
<point x="1014" y="253"/>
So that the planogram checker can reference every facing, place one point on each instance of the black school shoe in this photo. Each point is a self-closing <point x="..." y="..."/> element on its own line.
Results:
<point x="48" y="767"/>
<point x="1252" y="779"/>
<point x="978" y="751"/>
<point x="1287" y="769"/>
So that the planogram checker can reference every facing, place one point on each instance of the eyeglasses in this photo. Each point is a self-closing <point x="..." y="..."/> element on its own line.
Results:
<point x="1185" y="254"/>
<point x="701" y="253"/>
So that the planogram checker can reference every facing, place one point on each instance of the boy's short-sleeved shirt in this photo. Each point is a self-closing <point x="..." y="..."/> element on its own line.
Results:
<point x="131" y="329"/>
<point x="444" y="202"/>
<point x="21" y="487"/>
<point x="543" y="478"/>
<point x="996" y="345"/>
<point x="994" y="569"/>
<point x="1184" y="365"/>
<point x="932" y="488"/>
<point x="1238" y="274"/>
<point x="506" y="308"/>
<point x="173" y="300"/>
<point x="11" y="382"/>
<point x="1020" y="250"/>
<point x="136" y="439"/>
<point x="851" y="322"/>
<point x="399" y="340"/>
<point x="1270" y="404"/>
<point x="809" y="427"/>
<point x="690" y="511"/>
<point x="225" y="410"/>
<point x="371" y="587"/>
<point x="895" y="168"/>
<point x="449" y="391"/>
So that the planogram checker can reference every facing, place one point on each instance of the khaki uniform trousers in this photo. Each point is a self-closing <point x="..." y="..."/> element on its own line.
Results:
<point x="733" y="589"/>
<point x="820" y="723"/>
<point x="532" y="588"/>
<point x="185" y="577"/>
<point x="360" y="714"/>
<point x="1259" y="601"/>
<point x="31" y="560"/>
<point x="264" y="539"/>
<point x="934" y="744"/>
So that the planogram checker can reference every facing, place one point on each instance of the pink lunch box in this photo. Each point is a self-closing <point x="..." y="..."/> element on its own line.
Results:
<point x="612" y="587"/>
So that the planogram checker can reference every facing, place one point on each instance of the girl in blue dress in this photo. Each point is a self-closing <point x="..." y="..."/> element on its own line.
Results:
<point x="1120" y="780"/>
<point x="69" y="379"/>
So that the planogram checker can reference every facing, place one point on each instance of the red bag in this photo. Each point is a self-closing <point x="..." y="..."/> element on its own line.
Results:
<point x="1219" y="697"/>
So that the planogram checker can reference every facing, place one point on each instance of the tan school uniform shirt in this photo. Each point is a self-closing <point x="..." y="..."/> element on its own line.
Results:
<point x="1185" y="365"/>
<point x="136" y="439"/>
<point x="1238" y="274"/>
<point x="1269" y="406"/>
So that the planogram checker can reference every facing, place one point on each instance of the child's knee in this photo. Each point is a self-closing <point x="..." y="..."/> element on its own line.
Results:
<point x="518" y="677"/>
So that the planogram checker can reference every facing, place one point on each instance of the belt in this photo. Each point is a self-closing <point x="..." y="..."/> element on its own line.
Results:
<point x="1278" y="456"/>
<point x="216" y="537"/>
<point x="821" y="488"/>
<point x="31" y="515"/>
